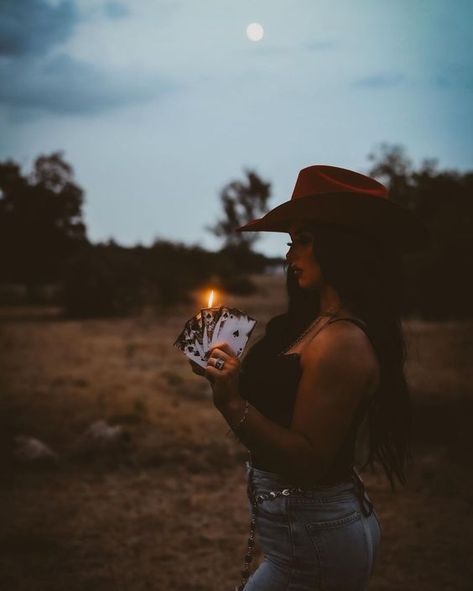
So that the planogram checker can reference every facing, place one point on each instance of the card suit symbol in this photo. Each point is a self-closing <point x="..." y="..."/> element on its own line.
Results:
<point x="236" y="334"/>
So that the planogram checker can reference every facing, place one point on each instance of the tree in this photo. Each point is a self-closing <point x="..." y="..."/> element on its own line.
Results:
<point x="438" y="281"/>
<point x="242" y="201"/>
<point x="392" y="166"/>
<point x="40" y="220"/>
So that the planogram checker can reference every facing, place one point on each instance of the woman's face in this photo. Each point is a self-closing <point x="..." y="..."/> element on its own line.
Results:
<point x="301" y="259"/>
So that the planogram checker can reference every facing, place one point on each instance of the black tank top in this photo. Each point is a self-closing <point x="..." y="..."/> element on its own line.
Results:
<point x="269" y="380"/>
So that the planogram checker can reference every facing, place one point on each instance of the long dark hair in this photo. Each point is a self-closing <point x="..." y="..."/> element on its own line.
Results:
<point x="368" y="277"/>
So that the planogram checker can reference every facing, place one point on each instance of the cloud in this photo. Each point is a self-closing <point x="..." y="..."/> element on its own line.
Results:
<point x="116" y="10"/>
<point x="32" y="27"/>
<point x="458" y="76"/>
<point x="34" y="77"/>
<point x="65" y="85"/>
<point x="380" y="80"/>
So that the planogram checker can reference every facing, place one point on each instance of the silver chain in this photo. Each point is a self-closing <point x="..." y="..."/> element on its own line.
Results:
<point x="309" y="328"/>
<point x="255" y="500"/>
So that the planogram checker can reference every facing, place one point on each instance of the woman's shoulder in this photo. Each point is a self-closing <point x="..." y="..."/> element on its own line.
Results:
<point x="337" y="336"/>
<point x="343" y="343"/>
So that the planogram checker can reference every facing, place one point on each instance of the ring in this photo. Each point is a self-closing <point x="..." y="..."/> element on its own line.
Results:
<point x="219" y="363"/>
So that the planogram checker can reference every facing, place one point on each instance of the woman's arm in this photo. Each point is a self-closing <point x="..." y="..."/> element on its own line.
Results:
<point x="337" y="371"/>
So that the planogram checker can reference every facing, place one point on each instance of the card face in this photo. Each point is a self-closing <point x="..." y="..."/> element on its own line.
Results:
<point x="235" y="328"/>
<point x="210" y="317"/>
<point x="190" y="340"/>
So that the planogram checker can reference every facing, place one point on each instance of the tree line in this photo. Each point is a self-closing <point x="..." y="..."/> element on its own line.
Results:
<point x="43" y="242"/>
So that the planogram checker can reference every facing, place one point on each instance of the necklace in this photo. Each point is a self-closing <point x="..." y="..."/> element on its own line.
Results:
<point x="310" y="327"/>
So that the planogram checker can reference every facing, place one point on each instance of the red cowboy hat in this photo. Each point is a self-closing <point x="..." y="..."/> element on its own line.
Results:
<point x="337" y="195"/>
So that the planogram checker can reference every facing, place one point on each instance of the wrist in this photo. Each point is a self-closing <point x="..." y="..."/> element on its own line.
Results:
<point x="235" y="415"/>
<point x="233" y="408"/>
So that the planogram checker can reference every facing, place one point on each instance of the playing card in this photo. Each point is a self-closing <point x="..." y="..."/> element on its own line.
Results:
<point x="190" y="340"/>
<point x="210" y="318"/>
<point x="233" y="327"/>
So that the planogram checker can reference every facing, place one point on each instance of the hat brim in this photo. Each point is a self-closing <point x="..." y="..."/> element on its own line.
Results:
<point x="381" y="218"/>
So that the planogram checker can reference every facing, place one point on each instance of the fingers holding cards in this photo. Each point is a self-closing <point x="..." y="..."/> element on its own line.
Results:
<point x="225" y="347"/>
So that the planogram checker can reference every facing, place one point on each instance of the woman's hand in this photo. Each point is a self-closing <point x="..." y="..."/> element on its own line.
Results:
<point x="224" y="381"/>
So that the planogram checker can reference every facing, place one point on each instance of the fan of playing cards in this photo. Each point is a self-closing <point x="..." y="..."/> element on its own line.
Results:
<point x="211" y="326"/>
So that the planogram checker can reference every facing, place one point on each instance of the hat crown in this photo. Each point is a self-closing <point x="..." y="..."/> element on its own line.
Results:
<point x="320" y="179"/>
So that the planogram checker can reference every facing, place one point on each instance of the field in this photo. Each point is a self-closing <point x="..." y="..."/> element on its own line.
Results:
<point x="164" y="507"/>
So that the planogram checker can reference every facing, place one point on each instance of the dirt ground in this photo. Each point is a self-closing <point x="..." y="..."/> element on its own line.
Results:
<point x="165" y="508"/>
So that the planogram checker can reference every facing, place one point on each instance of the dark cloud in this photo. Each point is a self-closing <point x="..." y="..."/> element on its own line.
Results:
<point x="64" y="85"/>
<point x="33" y="78"/>
<point x="32" y="27"/>
<point x="381" y="80"/>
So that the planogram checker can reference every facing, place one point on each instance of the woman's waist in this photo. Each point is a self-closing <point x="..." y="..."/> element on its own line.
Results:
<point x="261" y="479"/>
<point x="341" y="472"/>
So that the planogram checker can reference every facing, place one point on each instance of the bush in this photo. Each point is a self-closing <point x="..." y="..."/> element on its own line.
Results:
<point x="238" y="285"/>
<point x="102" y="281"/>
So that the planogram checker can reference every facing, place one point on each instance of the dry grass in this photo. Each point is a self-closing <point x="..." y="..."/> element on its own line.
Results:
<point x="167" y="509"/>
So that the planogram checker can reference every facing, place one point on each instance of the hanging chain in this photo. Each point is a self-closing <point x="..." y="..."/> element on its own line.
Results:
<point x="255" y="500"/>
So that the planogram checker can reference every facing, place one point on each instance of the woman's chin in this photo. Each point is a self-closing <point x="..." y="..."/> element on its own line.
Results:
<point x="306" y="284"/>
<point x="302" y="283"/>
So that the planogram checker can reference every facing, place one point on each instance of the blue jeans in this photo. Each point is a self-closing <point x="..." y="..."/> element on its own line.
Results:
<point x="323" y="539"/>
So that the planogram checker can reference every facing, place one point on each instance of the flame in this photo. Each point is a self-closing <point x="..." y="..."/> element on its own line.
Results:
<point x="211" y="298"/>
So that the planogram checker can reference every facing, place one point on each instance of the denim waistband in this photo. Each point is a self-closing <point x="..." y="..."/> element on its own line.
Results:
<point x="260" y="480"/>
<point x="264" y="479"/>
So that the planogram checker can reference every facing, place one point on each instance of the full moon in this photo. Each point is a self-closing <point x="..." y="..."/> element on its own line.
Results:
<point x="254" y="32"/>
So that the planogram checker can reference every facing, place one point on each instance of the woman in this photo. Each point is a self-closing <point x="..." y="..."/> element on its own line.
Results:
<point x="328" y="370"/>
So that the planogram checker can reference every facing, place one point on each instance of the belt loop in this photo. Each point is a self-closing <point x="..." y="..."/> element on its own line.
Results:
<point x="362" y="494"/>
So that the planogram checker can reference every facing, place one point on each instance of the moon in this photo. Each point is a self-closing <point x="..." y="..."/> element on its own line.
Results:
<point x="254" y="32"/>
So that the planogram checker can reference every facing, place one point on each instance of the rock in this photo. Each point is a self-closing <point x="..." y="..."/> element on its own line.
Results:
<point x="101" y="436"/>
<point x="30" y="449"/>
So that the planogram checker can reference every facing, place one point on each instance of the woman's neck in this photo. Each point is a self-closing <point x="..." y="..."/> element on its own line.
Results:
<point x="330" y="302"/>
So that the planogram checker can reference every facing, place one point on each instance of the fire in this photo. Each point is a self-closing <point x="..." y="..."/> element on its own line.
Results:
<point x="211" y="298"/>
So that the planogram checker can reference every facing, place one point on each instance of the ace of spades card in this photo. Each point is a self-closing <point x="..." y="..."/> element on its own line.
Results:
<point x="233" y="327"/>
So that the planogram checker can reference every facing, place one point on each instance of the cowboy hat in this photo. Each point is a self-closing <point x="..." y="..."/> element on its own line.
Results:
<point x="344" y="197"/>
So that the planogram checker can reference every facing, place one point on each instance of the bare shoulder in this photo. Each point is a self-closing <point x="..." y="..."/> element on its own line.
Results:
<point x="343" y="347"/>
